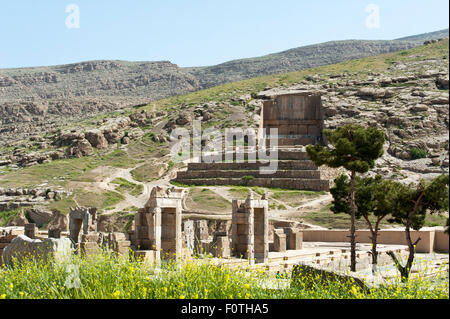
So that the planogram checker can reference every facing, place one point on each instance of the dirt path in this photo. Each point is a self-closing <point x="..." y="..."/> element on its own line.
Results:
<point x="106" y="184"/>
<point x="310" y="206"/>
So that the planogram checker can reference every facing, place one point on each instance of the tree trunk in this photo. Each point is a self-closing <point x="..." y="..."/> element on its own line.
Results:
<point x="374" y="233"/>
<point x="374" y="251"/>
<point x="406" y="270"/>
<point x="411" y="250"/>
<point x="374" y="246"/>
<point x="352" y="228"/>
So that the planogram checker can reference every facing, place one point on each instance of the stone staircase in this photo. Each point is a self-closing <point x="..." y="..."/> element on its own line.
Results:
<point x="294" y="170"/>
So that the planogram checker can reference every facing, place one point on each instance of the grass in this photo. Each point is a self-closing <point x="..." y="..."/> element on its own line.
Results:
<point x="147" y="172"/>
<point x="107" y="277"/>
<point x="60" y="171"/>
<point x="293" y="197"/>
<point x="111" y="198"/>
<point x="63" y="205"/>
<point x="207" y="200"/>
<point x="241" y="192"/>
<point x="128" y="187"/>
<point x="7" y="216"/>
<point x="326" y="218"/>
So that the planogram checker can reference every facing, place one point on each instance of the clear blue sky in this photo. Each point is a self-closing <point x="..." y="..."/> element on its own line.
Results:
<point x="197" y="32"/>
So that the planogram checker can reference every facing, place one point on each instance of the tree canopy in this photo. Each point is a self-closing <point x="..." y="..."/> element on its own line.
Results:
<point x="354" y="147"/>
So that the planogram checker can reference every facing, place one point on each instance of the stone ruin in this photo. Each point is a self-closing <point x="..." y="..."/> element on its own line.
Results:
<point x="298" y="116"/>
<point x="160" y="233"/>
<point x="158" y="225"/>
<point x="83" y="225"/>
<point x="250" y="230"/>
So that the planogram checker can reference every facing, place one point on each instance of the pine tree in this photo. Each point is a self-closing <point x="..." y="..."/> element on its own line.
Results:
<point x="374" y="198"/>
<point x="413" y="202"/>
<point x="355" y="148"/>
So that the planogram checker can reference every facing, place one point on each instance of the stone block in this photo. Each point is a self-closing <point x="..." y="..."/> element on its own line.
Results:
<point x="23" y="247"/>
<point x="8" y="238"/>
<point x="54" y="233"/>
<point x="89" y="238"/>
<point x="118" y="236"/>
<point x="294" y="238"/>
<point x="279" y="242"/>
<point x="221" y="247"/>
<point x="31" y="231"/>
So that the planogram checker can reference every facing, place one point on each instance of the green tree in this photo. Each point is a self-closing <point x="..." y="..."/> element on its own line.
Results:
<point x="374" y="199"/>
<point x="355" y="148"/>
<point x="413" y="202"/>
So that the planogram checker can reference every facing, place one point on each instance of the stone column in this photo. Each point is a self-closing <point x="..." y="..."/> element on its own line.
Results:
<point x="31" y="231"/>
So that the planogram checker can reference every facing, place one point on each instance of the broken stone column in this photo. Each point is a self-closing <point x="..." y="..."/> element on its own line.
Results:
<point x="31" y="231"/>
<point x="294" y="239"/>
<point x="202" y="240"/>
<point x="250" y="229"/>
<point x="54" y="233"/>
<point x="279" y="240"/>
<point x="82" y="219"/>
<point x="189" y="236"/>
<point x="89" y="244"/>
<point x="221" y="245"/>
<point x="118" y="243"/>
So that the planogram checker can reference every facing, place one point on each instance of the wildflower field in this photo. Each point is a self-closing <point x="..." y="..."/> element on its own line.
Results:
<point x="108" y="277"/>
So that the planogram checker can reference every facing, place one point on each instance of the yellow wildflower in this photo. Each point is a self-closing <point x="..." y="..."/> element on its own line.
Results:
<point x="116" y="294"/>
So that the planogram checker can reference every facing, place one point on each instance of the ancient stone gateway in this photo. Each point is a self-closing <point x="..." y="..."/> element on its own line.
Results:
<point x="82" y="218"/>
<point x="298" y="116"/>
<point x="250" y="229"/>
<point x="158" y="224"/>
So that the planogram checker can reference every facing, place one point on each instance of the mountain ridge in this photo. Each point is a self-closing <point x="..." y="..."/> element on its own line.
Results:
<point x="41" y="94"/>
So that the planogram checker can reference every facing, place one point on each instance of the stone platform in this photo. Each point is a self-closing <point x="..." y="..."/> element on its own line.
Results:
<point x="293" y="171"/>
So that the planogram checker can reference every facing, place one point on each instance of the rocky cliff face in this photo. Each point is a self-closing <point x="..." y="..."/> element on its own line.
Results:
<point x="41" y="94"/>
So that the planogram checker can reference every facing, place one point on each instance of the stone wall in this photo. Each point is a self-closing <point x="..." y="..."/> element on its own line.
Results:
<point x="298" y="117"/>
<point x="293" y="171"/>
<point x="285" y="183"/>
<point x="429" y="240"/>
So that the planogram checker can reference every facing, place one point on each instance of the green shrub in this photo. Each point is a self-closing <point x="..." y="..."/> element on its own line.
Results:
<point x="416" y="153"/>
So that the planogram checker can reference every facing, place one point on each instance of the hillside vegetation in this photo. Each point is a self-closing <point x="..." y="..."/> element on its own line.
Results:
<point x="402" y="93"/>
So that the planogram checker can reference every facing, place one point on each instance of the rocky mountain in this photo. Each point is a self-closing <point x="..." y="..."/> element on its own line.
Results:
<point x="427" y="36"/>
<point x="404" y="94"/>
<point x="296" y="59"/>
<point x="40" y="95"/>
